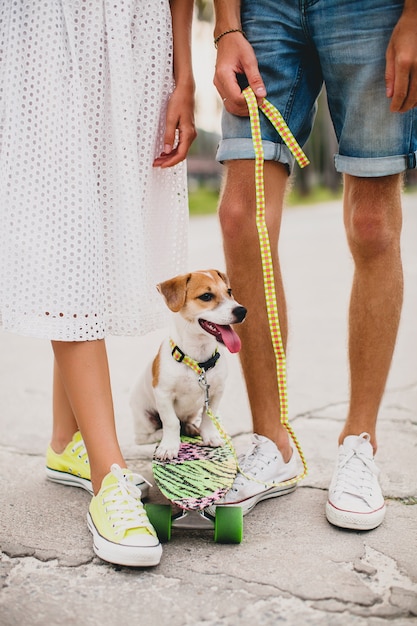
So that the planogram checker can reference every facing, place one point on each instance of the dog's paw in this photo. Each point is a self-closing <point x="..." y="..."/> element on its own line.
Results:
<point x="166" y="452"/>
<point x="211" y="438"/>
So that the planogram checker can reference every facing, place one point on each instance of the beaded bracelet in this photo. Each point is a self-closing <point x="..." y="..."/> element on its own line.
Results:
<point x="226" y="32"/>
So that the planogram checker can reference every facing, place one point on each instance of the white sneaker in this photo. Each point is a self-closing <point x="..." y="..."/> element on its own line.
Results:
<point x="262" y="468"/>
<point x="355" y="498"/>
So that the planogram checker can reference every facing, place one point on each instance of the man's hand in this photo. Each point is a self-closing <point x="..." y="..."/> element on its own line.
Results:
<point x="401" y="62"/>
<point x="235" y="56"/>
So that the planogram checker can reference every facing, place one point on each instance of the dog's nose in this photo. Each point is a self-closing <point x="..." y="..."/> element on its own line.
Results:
<point x="240" y="313"/>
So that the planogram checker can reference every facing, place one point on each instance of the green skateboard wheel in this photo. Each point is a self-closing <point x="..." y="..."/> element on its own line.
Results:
<point x="160" y="517"/>
<point x="228" y="524"/>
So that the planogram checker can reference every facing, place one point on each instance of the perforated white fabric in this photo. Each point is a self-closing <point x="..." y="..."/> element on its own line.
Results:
<point x="87" y="227"/>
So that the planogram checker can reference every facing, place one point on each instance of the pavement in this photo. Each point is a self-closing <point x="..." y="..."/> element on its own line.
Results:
<point x="292" y="567"/>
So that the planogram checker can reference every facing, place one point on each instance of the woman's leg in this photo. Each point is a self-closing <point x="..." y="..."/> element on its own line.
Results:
<point x="83" y="397"/>
<point x="121" y="530"/>
<point x="64" y="424"/>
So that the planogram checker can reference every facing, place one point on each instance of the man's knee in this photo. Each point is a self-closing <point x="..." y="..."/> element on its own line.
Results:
<point x="237" y="208"/>
<point x="237" y="200"/>
<point x="372" y="214"/>
<point x="369" y="231"/>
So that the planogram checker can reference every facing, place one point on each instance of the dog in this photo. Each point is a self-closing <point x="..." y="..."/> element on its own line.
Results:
<point x="169" y="399"/>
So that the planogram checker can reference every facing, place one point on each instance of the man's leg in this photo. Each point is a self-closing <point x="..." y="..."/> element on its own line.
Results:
<point x="373" y="219"/>
<point x="237" y="213"/>
<point x="270" y="461"/>
<point x="373" y="226"/>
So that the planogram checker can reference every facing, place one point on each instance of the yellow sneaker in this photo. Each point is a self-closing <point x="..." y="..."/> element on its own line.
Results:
<point x="72" y="467"/>
<point x="121" y="530"/>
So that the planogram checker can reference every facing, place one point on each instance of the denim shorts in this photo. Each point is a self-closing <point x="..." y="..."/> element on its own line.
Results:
<point x="342" y="43"/>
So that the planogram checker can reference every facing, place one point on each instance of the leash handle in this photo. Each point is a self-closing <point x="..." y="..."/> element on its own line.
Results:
<point x="267" y="266"/>
<point x="280" y="126"/>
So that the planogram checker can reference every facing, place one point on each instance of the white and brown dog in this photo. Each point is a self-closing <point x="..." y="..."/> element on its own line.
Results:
<point x="169" y="393"/>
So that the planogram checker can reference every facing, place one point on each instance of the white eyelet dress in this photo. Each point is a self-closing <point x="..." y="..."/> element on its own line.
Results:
<point x="87" y="226"/>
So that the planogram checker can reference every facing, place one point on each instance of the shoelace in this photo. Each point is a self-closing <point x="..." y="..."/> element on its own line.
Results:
<point x="356" y="475"/>
<point x="123" y="502"/>
<point x="253" y="457"/>
<point x="80" y="450"/>
<point x="252" y="461"/>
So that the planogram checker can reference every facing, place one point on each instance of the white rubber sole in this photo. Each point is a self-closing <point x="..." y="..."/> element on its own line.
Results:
<point x="248" y="504"/>
<point x="353" y="520"/>
<point x="130" y="556"/>
<point x="64" y="478"/>
<point x="70" y="480"/>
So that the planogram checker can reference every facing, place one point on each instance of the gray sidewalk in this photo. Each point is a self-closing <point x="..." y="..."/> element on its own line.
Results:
<point x="292" y="566"/>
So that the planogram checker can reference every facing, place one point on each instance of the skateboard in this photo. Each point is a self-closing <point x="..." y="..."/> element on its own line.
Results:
<point x="194" y="481"/>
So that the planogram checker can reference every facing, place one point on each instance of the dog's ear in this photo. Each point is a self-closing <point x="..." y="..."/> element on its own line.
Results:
<point x="174" y="291"/>
<point x="223" y="277"/>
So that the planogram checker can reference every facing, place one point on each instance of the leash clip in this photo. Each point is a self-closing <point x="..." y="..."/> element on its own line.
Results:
<point x="202" y="381"/>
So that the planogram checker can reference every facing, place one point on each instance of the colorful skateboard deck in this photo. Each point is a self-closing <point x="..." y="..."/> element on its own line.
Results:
<point x="198" y="477"/>
<point x="193" y="481"/>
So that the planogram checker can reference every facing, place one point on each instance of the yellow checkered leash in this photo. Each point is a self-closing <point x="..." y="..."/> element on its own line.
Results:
<point x="278" y="122"/>
<point x="267" y="267"/>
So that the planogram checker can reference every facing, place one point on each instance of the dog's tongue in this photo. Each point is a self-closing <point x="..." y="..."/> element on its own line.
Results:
<point x="229" y="338"/>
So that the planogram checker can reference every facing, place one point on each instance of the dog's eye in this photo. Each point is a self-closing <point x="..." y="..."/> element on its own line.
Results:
<point x="206" y="297"/>
<point x="229" y="291"/>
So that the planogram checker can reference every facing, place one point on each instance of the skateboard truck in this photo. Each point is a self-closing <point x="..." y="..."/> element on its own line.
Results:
<point x="227" y="521"/>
